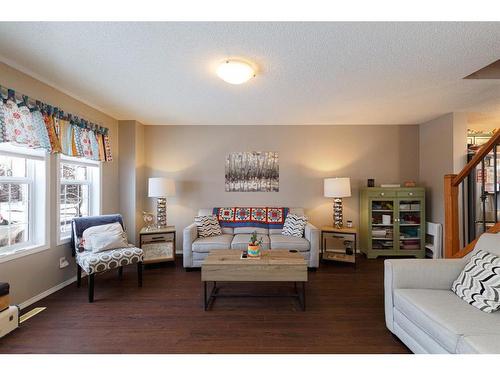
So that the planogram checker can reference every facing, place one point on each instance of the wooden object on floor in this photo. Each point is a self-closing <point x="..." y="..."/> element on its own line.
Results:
<point x="4" y="302"/>
<point x="30" y="314"/>
<point x="338" y="236"/>
<point x="158" y="244"/>
<point x="273" y="265"/>
<point x="392" y="222"/>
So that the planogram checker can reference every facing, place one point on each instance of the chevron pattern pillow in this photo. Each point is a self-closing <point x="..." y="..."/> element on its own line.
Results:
<point x="479" y="282"/>
<point x="294" y="225"/>
<point x="208" y="226"/>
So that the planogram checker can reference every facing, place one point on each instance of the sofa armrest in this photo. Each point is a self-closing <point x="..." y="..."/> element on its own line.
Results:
<point x="417" y="274"/>
<point x="189" y="235"/>
<point x="312" y="234"/>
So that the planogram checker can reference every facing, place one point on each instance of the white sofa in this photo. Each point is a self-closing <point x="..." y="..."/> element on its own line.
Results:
<point x="427" y="316"/>
<point x="196" y="249"/>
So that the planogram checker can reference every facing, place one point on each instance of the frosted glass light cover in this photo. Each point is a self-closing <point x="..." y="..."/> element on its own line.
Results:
<point x="235" y="72"/>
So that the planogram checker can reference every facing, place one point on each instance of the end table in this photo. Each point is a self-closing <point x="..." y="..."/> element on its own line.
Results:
<point x="338" y="237"/>
<point x="158" y="244"/>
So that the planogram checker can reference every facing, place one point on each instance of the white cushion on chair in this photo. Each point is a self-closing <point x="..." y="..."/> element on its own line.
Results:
<point x="102" y="242"/>
<point x="113" y="231"/>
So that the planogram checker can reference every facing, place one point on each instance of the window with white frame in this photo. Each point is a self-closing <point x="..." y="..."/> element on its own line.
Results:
<point x="23" y="199"/>
<point x="79" y="192"/>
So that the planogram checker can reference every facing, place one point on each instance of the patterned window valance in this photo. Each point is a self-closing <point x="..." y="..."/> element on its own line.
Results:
<point x="35" y="124"/>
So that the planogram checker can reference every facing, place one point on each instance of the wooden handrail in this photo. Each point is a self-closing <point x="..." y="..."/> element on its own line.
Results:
<point x="480" y="155"/>
<point x="451" y="209"/>
<point x="451" y="227"/>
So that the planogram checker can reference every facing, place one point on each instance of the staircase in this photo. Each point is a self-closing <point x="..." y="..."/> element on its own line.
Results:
<point x="483" y="168"/>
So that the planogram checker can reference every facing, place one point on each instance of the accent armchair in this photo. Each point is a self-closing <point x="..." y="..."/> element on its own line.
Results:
<point x="93" y="263"/>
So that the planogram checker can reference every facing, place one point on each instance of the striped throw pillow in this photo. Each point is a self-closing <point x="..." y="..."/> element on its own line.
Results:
<point x="208" y="226"/>
<point x="479" y="282"/>
<point x="294" y="225"/>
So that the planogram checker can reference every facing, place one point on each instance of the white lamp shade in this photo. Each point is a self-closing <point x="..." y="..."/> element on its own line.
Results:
<point x="160" y="187"/>
<point x="337" y="187"/>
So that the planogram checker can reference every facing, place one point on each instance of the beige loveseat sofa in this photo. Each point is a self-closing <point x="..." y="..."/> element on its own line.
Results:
<point x="427" y="316"/>
<point x="196" y="249"/>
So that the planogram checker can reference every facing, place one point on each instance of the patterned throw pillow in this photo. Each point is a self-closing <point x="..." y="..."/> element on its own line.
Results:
<point x="208" y="226"/>
<point x="294" y="225"/>
<point x="479" y="282"/>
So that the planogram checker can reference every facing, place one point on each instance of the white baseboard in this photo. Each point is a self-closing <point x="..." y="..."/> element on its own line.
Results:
<point x="46" y="293"/>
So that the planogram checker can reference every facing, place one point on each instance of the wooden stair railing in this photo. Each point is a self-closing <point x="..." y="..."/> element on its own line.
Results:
<point x="451" y="194"/>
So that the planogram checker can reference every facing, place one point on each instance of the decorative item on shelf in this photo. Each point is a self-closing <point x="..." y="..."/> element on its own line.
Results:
<point x="410" y="183"/>
<point x="349" y="224"/>
<point x="370" y="182"/>
<point x="148" y="219"/>
<point x="337" y="188"/>
<point x="254" y="245"/>
<point x="161" y="188"/>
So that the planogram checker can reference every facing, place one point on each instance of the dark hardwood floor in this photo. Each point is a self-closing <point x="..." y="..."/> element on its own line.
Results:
<point x="345" y="314"/>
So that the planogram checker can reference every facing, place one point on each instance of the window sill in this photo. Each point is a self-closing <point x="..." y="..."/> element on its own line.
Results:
<point x="63" y="241"/>
<point x="22" y="253"/>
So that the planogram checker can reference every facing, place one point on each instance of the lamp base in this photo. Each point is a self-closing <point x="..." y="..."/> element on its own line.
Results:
<point x="161" y="213"/>
<point x="337" y="213"/>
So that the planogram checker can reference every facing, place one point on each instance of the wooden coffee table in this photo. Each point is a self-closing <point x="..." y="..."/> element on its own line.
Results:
<point x="273" y="265"/>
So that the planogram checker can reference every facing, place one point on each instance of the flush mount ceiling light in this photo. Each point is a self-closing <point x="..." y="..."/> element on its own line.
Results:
<point x="235" y="72"/>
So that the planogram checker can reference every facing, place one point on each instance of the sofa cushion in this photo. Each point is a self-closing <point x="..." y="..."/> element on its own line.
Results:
<point x="207" y="244"/>
<point x="444" y="316"/>
<point x="208" y="226"/>
<point x="479" y="282"/>
<point x="240" y="241"/>
<point x="247" y="230"/>
<point x="279" y="241"/>
<point x="479" y="344"/>
<point x="294" y="225"/>
<point x="489" y="242"/>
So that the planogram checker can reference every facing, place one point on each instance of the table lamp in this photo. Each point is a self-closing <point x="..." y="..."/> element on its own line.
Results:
<point x="161" y="188"/>
<point x="337" y="188"/>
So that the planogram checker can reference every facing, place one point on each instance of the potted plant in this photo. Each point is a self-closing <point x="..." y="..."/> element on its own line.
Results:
<point x="254" y="245"/>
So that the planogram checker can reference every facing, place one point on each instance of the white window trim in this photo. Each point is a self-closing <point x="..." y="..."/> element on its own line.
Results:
<point x="22" y="251"/>
<point x="96" y="190"/>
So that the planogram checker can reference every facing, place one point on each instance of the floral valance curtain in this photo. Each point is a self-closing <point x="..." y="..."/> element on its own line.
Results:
<point x="38" y="125"/>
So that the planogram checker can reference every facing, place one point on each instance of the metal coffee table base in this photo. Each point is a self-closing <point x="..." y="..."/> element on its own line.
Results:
<point x="209" y="298"/>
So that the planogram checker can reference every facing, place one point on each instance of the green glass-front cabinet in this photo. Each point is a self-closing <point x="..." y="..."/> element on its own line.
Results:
<point x="392" y="222"/>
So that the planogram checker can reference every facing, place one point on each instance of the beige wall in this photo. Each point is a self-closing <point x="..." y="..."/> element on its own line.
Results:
<point x="436" y="160"/>
<point x="194" y="156"/>
<point x="131" y="166"/>
<point x="33" y="274"/>
<point x="443" y="150"/>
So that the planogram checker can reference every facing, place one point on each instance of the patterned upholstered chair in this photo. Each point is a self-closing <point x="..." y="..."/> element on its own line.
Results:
<point x="93" y="263"/>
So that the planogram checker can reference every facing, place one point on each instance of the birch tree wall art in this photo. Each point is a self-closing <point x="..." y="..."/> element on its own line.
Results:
<point x="252" y="171"/>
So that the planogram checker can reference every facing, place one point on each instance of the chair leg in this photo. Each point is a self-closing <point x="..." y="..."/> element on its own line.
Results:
<point x="139" y="273"/>
<point x="78" y="276"/>
<point x="120" y="271"/>
<point x="91" y="288"/>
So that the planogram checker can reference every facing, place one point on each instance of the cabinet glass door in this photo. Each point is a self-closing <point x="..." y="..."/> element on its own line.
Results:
<point x="382" y="224"/>
<point x="410" y="224"/>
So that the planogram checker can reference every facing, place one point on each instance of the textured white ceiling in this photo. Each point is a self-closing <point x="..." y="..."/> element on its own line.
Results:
<point x="310" y="73"/>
